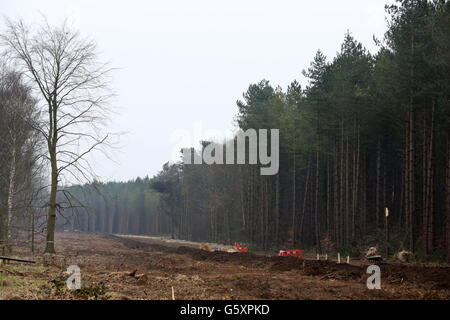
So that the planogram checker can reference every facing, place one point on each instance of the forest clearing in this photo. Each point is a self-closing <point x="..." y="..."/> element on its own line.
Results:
<point x="115" y="267"/>
<point x="209" y="151"/>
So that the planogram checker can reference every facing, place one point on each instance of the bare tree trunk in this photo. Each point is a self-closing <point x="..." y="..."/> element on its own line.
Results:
<point x="32" y="231"/>
<point x="316" y="207"/>
<point x="328" y="199"/>
<point x="251" y="204"/>
<point x="341" y="187"/>
<point x="311" y="214"/>
<point x="430" y="193"/>
<point x="277" y="208"/>
<point x="336" y="203"/>
<point x="385" y="204"/>
<point x="406" y="179"/>
<point x="364" y="200"/>
<point x="216" y="223"/>
<point x="411" y="180"/>
<point x="262" y="211"/>
<point x="294" y="233"/>
<point x="355" y="185"/>
<point x="402" y="197"/>
<point x="411" y="149"/>
<point x="377" y="196"/>
<point x="249" y="201"/>
<point x="51" y="221"/>
<point x="266" y="204"/>
<point x="111" y="219"/>
<point x="425" y="190"/>
<point x="243" y="226"/>
<point x="213" y="234"/>
<point x="12" y="178"/>
<point x="347" y="212"/>
<point x="308" y="174"/>
<point x="448" y="194"/>
<point x="431" y="212"/>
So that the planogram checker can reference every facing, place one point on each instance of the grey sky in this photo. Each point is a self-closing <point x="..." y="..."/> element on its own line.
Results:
<point x="184" y="63"/>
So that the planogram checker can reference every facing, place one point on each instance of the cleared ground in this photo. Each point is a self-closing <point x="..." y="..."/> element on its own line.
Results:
<point x="118" y="267"/>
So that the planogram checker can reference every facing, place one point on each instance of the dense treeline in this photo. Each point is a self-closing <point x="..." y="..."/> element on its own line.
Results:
<point x="20" y="166"/>
<point x="369" y="132"/>
<point x="114" y="207"/>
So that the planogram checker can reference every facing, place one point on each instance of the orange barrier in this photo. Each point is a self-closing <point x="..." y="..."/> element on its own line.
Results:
<point x="239" y="247"/>
<point x="295" y="253"/>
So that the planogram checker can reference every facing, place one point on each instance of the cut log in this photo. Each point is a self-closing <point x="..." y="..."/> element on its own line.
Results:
<point x="16" y="259"/>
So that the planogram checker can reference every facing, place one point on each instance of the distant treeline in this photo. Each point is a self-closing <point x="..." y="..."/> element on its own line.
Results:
<point x="369" y="132"/>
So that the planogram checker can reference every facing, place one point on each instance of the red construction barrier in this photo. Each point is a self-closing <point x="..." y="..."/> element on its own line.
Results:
<point x="239" y="247"/>
<point x="295" y="253"/>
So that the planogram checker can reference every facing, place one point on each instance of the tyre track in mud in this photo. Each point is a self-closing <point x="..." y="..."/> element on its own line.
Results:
<point x="424" y="276"/>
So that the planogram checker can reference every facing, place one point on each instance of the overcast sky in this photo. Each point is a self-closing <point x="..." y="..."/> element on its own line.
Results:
<point x="183" y="64"/>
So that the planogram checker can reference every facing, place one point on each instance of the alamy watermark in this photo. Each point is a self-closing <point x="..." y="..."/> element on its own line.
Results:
<point x="235" y="151"/>
<point x="74" y="280"/>
<point x="374" y="281"/>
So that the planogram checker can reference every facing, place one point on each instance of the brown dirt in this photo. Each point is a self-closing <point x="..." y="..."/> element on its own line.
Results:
<point x="144" y="268"/>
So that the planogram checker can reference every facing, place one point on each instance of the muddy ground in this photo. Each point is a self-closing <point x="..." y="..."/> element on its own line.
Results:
<point x="115" y="267"/>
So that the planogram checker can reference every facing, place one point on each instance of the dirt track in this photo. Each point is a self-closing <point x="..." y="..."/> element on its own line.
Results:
<point x="148" y="269"/>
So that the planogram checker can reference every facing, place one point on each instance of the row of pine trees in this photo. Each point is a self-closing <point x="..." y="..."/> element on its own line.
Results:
<point x="368" y="132"/>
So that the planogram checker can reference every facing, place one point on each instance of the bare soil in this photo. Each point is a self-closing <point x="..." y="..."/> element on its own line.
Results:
<point x="148" y="268"/>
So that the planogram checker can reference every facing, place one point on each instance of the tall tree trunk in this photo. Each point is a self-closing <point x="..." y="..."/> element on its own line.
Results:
<point x="364" y="194"/>
<point x="277" y="207"/>
<point x="406" y="179"/>
<point x="377" y="187"/>
<point x="294" y="233"/>
<point x="355" y="184"/>
<point x="411" y="180"/>
<point x="328" y="199"/>
<point x="411" y="147"/>
<point x="51" y="222"/>
<point x="425" y="190"/>
<point x="11" y="188"/>
<point x="402" y="197"/>
<point x="251" y="204"/>
<point x="316" y="207"/>
<point x="52" y="142"/>
<point x="341" y="188"/>
<point x="308" y="174"/>
<point x="242" y="202"/>
<point x="448" y="194"/>
<point x="385" y="202"/>
<point x="336" y="203"/>
<point x="430" y="204"/>
<point x="347" y="189"/>
<point x="32" y="230"/>
<point x="266" y="205"/>
<point x="262" y="211"/>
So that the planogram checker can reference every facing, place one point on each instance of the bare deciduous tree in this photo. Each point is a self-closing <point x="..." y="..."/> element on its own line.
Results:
<point x="73" y="86"/>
